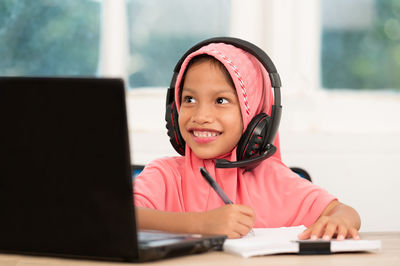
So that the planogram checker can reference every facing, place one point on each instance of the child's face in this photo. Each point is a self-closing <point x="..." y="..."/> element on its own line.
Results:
<point x="210" y="120"/>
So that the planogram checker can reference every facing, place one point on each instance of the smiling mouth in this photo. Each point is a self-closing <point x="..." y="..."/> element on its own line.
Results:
<point x="205" y="134"/>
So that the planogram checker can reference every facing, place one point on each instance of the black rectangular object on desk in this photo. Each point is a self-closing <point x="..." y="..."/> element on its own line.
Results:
<point x="308" y="247"/>
<point x="65" y="173"/>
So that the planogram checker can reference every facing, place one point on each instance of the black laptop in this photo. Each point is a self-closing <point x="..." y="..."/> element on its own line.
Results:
<point x="65" y="174"/>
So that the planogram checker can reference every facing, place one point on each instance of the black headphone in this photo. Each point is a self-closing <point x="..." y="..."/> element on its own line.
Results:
<point x="256" y="143"/>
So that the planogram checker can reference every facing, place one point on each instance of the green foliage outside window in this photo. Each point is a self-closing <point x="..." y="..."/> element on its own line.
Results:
<point x="49" y="37"/>
<point x="62" y="38"/>
<point x="161" y="31"/>
<point x="158" y="58"/>
<point x="364" y="58"/>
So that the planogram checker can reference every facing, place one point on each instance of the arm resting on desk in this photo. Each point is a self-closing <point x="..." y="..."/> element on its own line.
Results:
<point x="337" y="219"/>
<point x="232" y="220"/>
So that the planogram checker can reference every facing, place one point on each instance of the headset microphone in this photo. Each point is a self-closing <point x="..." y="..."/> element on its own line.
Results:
<point x="249" y="163"/>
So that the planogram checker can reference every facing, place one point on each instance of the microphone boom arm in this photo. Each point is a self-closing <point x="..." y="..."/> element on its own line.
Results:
<point x="222" y="163"/>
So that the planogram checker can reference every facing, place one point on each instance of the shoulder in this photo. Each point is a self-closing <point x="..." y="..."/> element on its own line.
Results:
<point x="273" y="173"/>
<point x="273" y="168"/>
<point x="163" y="167"/>
<point x="158" y="180"/>
<point x="167" y="163"/>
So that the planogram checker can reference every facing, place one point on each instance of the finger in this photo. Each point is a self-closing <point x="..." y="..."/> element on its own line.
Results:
<point x="246" y="221"/>
<point x="354" y="233"/>
<point x="330" y="229"/>
<point x="305" y="234"/>
<point x="342" y="233"/>
<point x="242" y="230"/>
<point x="246" y="210"/>
<point x="234" y="235"/>
<point x="317" y="230"/>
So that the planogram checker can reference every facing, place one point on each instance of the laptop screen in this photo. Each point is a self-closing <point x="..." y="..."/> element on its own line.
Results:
<point x="64" y="150"/>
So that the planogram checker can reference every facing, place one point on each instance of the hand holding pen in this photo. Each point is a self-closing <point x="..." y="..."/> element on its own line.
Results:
<point x="225" y="198"/>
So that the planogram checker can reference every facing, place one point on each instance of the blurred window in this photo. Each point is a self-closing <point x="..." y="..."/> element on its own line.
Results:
<point x="161" y="31"/>
<point x="360" y="44"/>
<point x="49" y="37"/>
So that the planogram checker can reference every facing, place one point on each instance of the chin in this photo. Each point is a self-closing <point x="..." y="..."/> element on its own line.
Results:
<point x="204" y="155"/>
<point x="209" y="156"/>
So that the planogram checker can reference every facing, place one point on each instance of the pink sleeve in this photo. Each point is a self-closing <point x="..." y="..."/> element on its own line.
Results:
<point x="301" y="201"/>
<point x="158" y="185"/>
<point x="315" y="200"/>
<point x="307" y="202"/>
<point x="149" y="188"/>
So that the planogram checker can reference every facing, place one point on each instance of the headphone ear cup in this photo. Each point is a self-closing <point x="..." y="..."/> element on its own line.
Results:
<point x="172" y="126"/>
<point x="252" y="141"/>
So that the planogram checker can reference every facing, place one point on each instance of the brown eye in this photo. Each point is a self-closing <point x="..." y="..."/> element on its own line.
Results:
<point x="222" y="100"/>
<point x="188" y="99"/>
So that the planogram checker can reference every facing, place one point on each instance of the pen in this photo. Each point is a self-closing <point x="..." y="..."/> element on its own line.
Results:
<point x="217" y="188"/>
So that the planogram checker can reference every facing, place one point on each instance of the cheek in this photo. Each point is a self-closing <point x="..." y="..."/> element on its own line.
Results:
<point x="239" y="131"/>
<point x="234" y="121"/>
<point x="182" y="119"/>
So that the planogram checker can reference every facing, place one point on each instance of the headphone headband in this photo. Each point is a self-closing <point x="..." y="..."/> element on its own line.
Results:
<point x="257" y="52"/>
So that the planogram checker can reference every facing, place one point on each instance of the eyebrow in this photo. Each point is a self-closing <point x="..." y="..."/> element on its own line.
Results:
<point x="220" y="91"/>
<point x="187" y="89"/>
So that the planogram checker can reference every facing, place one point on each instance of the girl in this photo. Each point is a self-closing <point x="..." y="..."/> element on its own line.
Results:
<point x="219" y="89"/>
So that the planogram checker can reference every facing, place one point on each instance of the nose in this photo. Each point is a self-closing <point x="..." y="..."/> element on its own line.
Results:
<point x="203" y="114"/>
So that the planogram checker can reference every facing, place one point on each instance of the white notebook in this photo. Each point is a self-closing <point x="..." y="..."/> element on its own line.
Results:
<point x="268" y="241"/>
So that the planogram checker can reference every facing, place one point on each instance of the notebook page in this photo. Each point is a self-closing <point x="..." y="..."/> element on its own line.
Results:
<point x="355" y="245"/>
<point x="265" y="241"/>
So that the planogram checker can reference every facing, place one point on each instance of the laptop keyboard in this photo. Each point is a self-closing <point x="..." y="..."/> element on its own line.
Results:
<point x="146" y="236"/>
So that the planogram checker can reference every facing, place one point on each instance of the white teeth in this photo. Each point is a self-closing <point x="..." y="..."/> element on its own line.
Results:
<point x="204" y="134"/>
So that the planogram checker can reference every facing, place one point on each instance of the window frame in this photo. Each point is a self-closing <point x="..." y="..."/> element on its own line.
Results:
<point x="283" y="25"/>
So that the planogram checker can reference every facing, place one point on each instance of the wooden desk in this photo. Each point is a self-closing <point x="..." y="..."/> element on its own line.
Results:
<point x="389" y="255"/>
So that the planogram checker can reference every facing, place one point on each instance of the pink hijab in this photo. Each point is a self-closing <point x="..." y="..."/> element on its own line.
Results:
<point x="278" y="196"/>
<point x="251" y="80"/>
